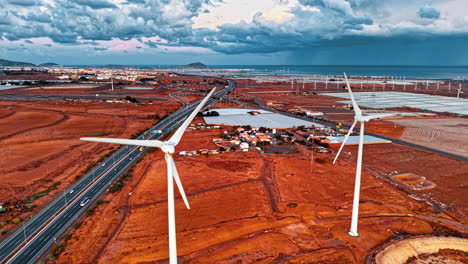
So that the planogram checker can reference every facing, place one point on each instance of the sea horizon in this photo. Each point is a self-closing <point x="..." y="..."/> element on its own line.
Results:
<point x="395" y="71"/>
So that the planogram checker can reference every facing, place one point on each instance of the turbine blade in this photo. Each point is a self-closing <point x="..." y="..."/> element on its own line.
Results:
<point x="175" y="174"/>
<point x="135" y="142"/>
<point x="356" y="108"/>
<point x="344" y="141"/>
<point x="180" y="131"/>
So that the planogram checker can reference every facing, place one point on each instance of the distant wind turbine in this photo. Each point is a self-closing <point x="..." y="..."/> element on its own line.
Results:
<point x="168" y="147"/>
<point x="358" y="117"/>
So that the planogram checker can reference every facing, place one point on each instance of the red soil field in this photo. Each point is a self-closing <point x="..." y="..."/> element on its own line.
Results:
<point x="41" y="146"/>
<point x="268" y="208"/>
<point x="263" y="208"/>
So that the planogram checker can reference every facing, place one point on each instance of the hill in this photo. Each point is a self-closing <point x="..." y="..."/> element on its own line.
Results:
<point x="196" y="65"/>
<point x="15" y="63"/>
<point x="48" y="64"/>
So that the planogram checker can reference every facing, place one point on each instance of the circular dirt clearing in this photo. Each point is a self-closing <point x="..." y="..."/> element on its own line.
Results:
<point x="418" y="250"/>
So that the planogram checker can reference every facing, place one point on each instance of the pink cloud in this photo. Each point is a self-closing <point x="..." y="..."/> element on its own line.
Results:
<point x="122" y="47"/>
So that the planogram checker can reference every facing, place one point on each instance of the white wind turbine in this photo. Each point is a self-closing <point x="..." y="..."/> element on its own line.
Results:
<point x="358" y="117"/>
<point x="168" y="148"/>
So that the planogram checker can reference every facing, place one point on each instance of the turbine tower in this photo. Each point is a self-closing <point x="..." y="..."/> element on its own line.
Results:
<point x="358" y="117"/>
<point x="168" y="147"/>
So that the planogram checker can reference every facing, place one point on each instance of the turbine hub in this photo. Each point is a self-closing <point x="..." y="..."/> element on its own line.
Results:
<point x="168" y="147"/>
<point x="360" y="118"/>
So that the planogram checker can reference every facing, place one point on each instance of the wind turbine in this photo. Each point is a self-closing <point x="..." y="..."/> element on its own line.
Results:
<point x="168" y="148"/>
<point x="358" y="117"/>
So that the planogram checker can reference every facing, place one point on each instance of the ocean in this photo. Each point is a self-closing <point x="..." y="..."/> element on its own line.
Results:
<point x="424" y="72"/>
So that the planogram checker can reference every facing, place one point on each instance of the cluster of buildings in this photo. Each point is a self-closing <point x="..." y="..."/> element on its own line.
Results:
<point x="129" y="75"/>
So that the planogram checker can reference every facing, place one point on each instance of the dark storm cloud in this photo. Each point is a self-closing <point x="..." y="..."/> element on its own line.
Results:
<point x="96" y="4"/>
<point x="388" y="50"/>
<point x="92" y="43"/>
<point x="22" y="2"/>
<point x="265" y="36"/>
<point x="312" y="24"/>
<point x="136" y="1"/>
<point x="429" y="12"/>
<point x="39" y="17"/>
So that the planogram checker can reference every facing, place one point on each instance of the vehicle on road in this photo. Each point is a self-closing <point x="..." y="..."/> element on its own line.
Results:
<point x="84" y="201"/>
<point x="72" y="191"/>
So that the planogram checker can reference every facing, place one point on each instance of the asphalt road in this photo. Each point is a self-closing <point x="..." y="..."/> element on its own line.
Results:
<point x="36" y="235"/>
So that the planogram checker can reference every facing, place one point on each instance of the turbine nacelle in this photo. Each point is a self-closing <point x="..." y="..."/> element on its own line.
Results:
<point x="168" y="147"/>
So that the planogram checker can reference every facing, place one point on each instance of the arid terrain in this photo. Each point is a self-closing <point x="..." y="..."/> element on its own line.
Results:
<point x="246" y="207"/>
<point x="268" y="208"/>
<point x="42" y="153"/>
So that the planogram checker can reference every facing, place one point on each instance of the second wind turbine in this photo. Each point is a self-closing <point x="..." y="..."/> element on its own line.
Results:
<point x="358" y="117"/>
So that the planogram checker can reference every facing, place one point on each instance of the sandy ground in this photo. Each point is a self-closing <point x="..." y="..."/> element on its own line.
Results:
<point x="41" y="146"/>
<point x="449" y="134"/>
<point x="260" y="208"/>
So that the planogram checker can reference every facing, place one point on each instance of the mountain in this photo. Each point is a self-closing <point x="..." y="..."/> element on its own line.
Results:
<point x="15" y="63"/>
<point x="196" y="65"/>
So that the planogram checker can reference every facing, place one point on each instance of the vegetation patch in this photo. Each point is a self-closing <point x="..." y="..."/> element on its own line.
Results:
<point x="55" y="251"/>
<point x="43" y="193"/>
<point x="16" y="220"/>
<point x="99" y="134"/>
<point x="119" y="183"/>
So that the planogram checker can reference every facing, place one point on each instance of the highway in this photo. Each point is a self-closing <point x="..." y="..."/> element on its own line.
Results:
<point x="36" y="235"/>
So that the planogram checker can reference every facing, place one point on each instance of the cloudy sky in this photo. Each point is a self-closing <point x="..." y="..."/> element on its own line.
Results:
<point x="311" y="32"/>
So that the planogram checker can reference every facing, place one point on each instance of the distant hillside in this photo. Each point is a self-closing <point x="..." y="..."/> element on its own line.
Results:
<point x="196" y="65"/>
<point x="15" y="63"/>
<point x="48" y="64"/>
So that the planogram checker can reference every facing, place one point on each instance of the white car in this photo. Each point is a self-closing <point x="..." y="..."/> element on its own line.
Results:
<point x="84" y="201"/>
<point x="72" y="191"/>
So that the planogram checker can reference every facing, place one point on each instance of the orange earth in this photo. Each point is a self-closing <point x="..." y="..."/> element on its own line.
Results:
<point x="270" y="208"/>
<point x="41" y="146"/>
<point x="249" y="207"/>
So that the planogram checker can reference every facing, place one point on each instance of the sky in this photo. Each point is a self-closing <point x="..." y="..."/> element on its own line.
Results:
<point x="233" y="32"/>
